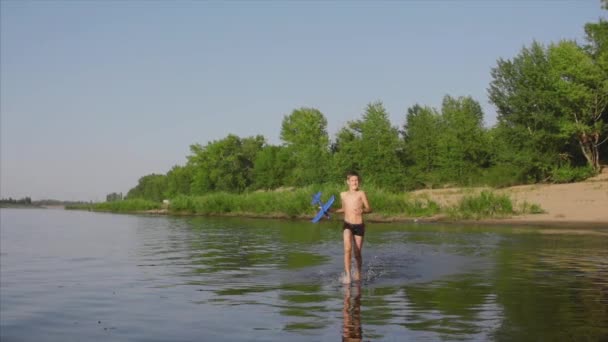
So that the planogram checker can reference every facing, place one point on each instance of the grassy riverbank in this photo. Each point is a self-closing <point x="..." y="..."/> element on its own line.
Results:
<point x="295" y="203"/>
<point x="126" y="206"/>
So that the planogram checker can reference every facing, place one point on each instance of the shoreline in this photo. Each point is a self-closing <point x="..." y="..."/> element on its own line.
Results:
<point x="522" y="221"/>
<point x="571" y="205"/>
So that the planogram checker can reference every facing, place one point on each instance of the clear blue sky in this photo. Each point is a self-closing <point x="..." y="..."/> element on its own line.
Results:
<point x="95" y="94"/>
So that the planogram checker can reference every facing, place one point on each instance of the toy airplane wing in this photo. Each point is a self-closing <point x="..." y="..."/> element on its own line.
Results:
<point x="323" y="211"/>
<point x="316" y="198"/>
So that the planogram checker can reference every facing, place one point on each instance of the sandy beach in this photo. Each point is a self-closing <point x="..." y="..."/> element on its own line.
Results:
<point x="575" y="204"/>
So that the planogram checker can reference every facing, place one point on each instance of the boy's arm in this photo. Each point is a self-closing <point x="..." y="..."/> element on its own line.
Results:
<point x="366" y="207"/>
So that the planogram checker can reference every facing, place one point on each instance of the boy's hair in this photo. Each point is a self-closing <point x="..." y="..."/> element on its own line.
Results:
<point x="352" y="173"/>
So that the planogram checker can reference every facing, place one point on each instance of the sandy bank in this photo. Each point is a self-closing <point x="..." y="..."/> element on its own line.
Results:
<point x="575" y="204"/>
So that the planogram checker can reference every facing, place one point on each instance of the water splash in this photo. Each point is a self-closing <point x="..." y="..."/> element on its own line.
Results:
<point x="375" y="270"/>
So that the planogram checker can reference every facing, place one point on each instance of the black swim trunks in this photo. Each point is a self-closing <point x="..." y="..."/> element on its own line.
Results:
<point x="356" y="229"/>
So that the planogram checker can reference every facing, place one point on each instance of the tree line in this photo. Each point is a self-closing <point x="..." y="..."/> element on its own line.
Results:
<point x="552" y="125"/>
<point x="20" y="201"/>
<point x="27" y="201"/>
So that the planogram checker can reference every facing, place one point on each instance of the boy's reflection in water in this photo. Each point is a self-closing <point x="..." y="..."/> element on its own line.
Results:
<point x="351" y="328"/>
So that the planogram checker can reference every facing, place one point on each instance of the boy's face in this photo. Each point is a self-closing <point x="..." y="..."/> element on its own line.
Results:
<point x="353" y="182"/>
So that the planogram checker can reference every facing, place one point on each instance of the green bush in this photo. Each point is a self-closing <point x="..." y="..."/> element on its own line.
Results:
<point x="531" y="208"/>
<point x="297" y="202"/>
<point x="80" y="206"/>
<point x="501" y="176"/>
<point x="182" y="203"/>
<point x="132" y="205"/>
<point x="569" y="174"/>
<point x="484" y="205"/>
<point x="388" y="203"/>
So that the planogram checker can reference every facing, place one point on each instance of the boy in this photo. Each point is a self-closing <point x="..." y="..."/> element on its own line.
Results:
<point x="354" y="204"/>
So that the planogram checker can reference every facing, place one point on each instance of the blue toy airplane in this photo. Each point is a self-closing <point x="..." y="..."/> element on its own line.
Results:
<point x="323" y="208"/>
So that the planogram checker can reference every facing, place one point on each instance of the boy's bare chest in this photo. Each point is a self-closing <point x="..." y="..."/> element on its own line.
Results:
<point x="352" y="200"/>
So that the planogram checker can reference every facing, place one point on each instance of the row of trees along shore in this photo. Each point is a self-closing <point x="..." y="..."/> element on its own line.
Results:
<point x="552" y="125"/>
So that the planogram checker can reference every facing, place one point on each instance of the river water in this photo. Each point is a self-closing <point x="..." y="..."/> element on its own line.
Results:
<point x="83" y="276"/>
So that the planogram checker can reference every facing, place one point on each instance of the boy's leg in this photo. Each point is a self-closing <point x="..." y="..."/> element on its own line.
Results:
<point x="358" y="255"/>
<point x="348" y="247"/>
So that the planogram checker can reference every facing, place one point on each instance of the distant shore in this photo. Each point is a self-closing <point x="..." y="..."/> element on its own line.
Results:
<point x="19" y="206"/>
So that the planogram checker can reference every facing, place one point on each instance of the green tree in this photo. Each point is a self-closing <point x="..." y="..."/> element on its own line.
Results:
<point x="513" y="158"/>
<point x="270" y="168"/>
<point x="224" y="165"/>
<point x="151" y="187"/>
<point x="421" y="140"/>
<point x="250" y="147"/>
<point x="581" y="83"/>
<point x="179" y="180"/>
<point x="462" y="144"/>
<point x="346" y="152"/>
<point x="304" y="133"/>
<point x="113" y="197"/>
<point x="372" y="146"/>
<point x="523" y="91"/>
<point x="597" y="47"/>
<point x="554" y="99"/>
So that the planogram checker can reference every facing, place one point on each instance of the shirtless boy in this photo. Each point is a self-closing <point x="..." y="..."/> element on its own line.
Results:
<point x="354" y="204"/>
